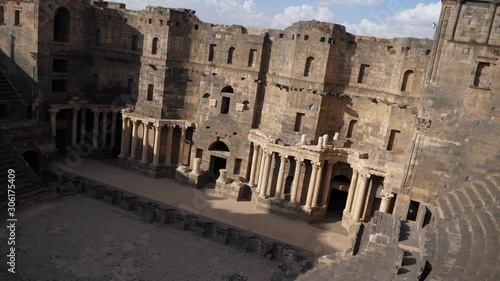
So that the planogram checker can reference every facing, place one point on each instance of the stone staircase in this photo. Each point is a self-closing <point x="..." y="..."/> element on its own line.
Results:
<point x="463" y="242"/>
<point x="26" y="181"/>
<point x="8" y="94"/>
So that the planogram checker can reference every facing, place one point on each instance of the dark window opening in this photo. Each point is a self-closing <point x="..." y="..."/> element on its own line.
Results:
<point x="306" y="37"/>
<point x="282" y="35"/>
<point x="196" y="27"/>
<point x="481" y="77"/>
<point x="4" y="111"/>
<point x="2" y="15"/>
<point x="363" y="73"/>
<point x="154" y="48"/>
<point x="251" y="58"/>
<point x="109" y="17"/>
<point x="59" y="85"/>
<point x="407" y="81"/>
<point x="350" y="130"/>
<point x="298" y="122"/>
<point x="413" y="210"/>
<point x="230" y="55"/>
<point x="150" y="21"/>
<point x="307" y="68"/>
<point x="393" y="140"/>
<point x="227" y="89"/>
<point x="125" y="19"/>
<point x="97" y="37"/>
<point x="237" y="166"/>
<point x="330" y="40"/>
<point x="211" y="54"/>
<point x="150" y="92"/>
<point x="61" y="25"/>
<point x="135" y="42"/>
<point x="199" y="153"/>
<point x="161" y="22"/>
<point x="17" y="18"/>
<point x="178" y="24"/>
<point x="323" y="39"/>
<point x="60" y="66"/>
<point x="224" y="109"/>
<point x="206" y="96"/>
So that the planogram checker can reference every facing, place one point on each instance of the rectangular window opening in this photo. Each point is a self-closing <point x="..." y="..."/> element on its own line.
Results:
<point x="237" y="166"/>
<point x="298" y="122"/>
<point x="251" y="58"/>
<point x="393" y="140"/>
<point x="97" y="39"/>
<point x="199" y="153"/>
<point x="129" y="86"/>
<point x="150" y="92"/>
<point x="211" y="54"/>
<point x="135" y="41"/>
<point x="17" y="18"/>
<point x="363" y="73"/>
<point x="59" y="66"/>
<point x="226" y="101"/>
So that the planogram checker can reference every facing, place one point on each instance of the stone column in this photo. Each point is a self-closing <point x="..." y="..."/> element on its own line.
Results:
<point x="296" y="180"/>
<point x="317" y="186"/>
<point x="312" y="183"/>
<point x="145" y="143"/>
<point x="105" y="128"/>
<point x="170" y="138"/>
<point x="113" y="128"/>
<point x="96" y="129"/>
<point x="281" y="176"/>
<point x="261" y="170"/>
<point x="253" y="169"/>
<point x="123" y="152"/>
<point x="361" y="196"/>
<point x="133" y="148"/>
<point x="53" y="121"/>
<point x="181" y="149"/>
<point x="265" y="175"/>
<point x="83" y="124"/>
<point x="156" y="149"/>
<point x="74" y="128"/>
<point x="196" y="167"/>
<point x="352" y="190"/>
<point x="326" y="185"/>
<point x="386" y="202"/>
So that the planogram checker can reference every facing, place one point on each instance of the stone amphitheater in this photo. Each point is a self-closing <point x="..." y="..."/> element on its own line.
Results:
<point x="307" y="153"/>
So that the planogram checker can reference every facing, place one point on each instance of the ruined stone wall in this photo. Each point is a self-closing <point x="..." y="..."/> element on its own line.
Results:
<point x="458" y="143"/>
<point x="18" y="51"/>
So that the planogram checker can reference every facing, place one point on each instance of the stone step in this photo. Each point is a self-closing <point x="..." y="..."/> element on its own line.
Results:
<point x="484" y="193"/>
<point x="464" y="201"/>
<point x="455" y="205"/>
<point x="444" y="205"/>
<point x="465" y="250"/>
<point x="476" y="202"/>
<point x="478" y="246"/>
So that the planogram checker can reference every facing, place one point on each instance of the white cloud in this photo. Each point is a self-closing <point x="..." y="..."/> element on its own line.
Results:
<point x="351" y="2"/>
<point x="297" y="13"/>
<point x="415" y="22"/>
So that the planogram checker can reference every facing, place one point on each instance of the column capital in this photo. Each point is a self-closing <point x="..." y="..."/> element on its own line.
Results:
<point x="256" y="146"/>
<point x="53" y="110"/>
<point x="284" y="157"/>
<point x="387" y="195"/>
<point x="96" y="112"/>
<point x="299" y="160"/>
<point x="318" y="164"/>
<point x="158" y="126"/>
<point x="364" y="174"/>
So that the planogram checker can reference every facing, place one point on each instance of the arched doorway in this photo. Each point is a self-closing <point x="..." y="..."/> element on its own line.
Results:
<point x="338" y="197"/>
<point x="219" y="152"/>
<point x="33" y="159"/>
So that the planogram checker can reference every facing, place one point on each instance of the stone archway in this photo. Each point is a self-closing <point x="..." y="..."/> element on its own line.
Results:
<point x="219" y="154"/>
<point x="34" y="161"/>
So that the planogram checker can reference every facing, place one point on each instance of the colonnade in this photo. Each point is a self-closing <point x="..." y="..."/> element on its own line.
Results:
<point x="100" y="128"/>
<point x="262" y="178"/>
<point x="130" y="136"/>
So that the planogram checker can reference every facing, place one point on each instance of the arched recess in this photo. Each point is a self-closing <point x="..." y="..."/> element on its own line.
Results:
<point x="206" y="95"/>
<point x="338" y="196"/>
<point x="227" y="89"/>
<point x="350" y="130"/>
<point x="61" y="25"/>
<point x="34" y="161"/>
<point x="230" y="54"/>
<point x="308" y="66"/>
<point x="218" y="146"/>
<point x="408" y="81"/>
<point x="154" y="46"/>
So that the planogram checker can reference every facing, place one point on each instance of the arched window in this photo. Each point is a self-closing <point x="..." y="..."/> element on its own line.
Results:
<point x="61" y="25"/>
<point x="407" y="81"/>
<point x="154" y="47"/>
<point x="482" y="74"/>
<point x="350" y="131"/>
<point x="206" y="95"/>
<point x="307" y="68"/>
<point x="230" y="55"/>
<point x="2" y="15"/>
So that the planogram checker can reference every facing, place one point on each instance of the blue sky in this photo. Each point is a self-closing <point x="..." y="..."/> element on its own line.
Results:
<point x="381" y="18"/>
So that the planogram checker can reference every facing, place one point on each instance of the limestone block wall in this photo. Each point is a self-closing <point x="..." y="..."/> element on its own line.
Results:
<point x="18" y="46"/>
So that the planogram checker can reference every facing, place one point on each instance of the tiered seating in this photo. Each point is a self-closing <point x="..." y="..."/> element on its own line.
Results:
<point x="26" y="180"/>
<point x="463" y="241"/>
<point x="8" y="94"/>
